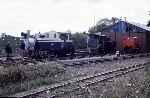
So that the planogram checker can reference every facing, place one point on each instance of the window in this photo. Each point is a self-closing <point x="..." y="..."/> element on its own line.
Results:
<point x="41" y="36"/>
<point x="63" y="36"/>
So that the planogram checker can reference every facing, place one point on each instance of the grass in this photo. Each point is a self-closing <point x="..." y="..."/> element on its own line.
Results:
<point x="146" y="88"/>
<point x="18" y="78"/>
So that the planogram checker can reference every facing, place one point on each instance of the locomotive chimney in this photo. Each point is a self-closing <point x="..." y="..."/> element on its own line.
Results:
<point x="28" y="33"/>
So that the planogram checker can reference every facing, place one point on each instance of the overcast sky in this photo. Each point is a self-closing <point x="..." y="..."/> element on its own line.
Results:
<point x="61" y="15"/>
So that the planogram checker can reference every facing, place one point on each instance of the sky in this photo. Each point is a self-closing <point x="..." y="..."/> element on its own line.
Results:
<point x="62" y="15"/>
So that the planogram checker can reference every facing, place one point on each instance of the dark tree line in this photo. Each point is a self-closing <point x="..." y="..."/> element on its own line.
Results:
<point x="14" y="42"/>
<point x="102" y="24"/>
<point x="80" y="40"/>
<point x="148" y="24"/>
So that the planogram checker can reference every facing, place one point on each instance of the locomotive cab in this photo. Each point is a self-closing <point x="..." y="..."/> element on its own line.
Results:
<point x="102" y="44"/>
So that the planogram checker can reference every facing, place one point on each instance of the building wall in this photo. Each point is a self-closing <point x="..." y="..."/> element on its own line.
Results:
<point x="141" y="40"/>
<point x="148" y="41"/>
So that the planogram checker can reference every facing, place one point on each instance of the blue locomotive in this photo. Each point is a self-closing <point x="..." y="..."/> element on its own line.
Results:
<point x="47" y="44"/>
<point x="100" y="44"/>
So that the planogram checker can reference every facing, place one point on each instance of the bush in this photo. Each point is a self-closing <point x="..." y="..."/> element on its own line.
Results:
<point x="20" y="77"/>
<point x="80" y="40"/>
<point x="146" y="89"/>
<point x="11" y="74"/>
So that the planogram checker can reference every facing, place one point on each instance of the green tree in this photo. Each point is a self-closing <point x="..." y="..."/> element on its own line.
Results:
<point x="14" y="42"/>
<point x="148" y="24"/>
<point x="103" y="24"/>
<point x="80" y="40"/>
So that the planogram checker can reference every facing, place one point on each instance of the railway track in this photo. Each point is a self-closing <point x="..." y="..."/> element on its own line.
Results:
<point x="80" y="82"/>
<point x="80" y="54"/>
<point x="87" y="60"/>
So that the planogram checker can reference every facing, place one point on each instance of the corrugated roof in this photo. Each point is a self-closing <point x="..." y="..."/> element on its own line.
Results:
<point x="139" y="25"/>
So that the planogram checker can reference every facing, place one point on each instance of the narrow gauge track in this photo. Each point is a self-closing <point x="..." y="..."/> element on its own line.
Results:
<point x="80" y="82"/>
<point x="78" y="55"/>
<point x="81" y="61"/>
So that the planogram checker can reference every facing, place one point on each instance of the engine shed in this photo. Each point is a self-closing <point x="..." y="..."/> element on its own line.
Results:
<point x="124" y="28"/>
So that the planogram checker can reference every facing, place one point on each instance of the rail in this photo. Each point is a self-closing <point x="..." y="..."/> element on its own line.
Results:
<point x="85" y="81"/>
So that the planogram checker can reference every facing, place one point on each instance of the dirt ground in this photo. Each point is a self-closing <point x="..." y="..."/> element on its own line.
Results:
<point x="18" y="78"/>
<point x="131" y="85"/>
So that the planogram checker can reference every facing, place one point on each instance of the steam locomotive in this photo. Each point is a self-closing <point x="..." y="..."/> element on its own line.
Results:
<point x="47" y="44"/>
<point x="60" y="44"/>
<point x="101" y="44"/>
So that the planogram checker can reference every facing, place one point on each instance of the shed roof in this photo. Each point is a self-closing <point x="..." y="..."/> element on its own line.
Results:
<point x="127" y="26"/>
<point x="139" y="25"/>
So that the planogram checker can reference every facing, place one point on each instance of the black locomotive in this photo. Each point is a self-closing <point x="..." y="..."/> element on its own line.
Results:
<point x="101" y="44"/>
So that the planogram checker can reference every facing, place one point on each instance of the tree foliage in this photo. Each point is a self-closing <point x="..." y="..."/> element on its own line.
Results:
<point x="148" y="24"/>
<point x="80" y="40"/>
<point x="14" y="42"/>
<point x="103" y="24"/>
